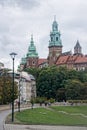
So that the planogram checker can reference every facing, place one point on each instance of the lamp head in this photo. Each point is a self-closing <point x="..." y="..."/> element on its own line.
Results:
<point x="13" y="54"/>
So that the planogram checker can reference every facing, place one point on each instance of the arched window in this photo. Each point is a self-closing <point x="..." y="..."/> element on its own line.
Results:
<point x="56" y="38"/>
<point x="33" y="62"/>
<point x="51" y="38"/>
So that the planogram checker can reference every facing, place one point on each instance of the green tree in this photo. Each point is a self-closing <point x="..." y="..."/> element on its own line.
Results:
<point x="6" y="89"/>
<point x="50" y="80"/>
<point x="59" y="83"/>
<point x="60" y="94"/>
<point x="83" y="92"/>
<point x="73" y="89"/>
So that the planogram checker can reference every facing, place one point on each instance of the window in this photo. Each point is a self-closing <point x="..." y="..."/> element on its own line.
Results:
<point x="33" y="63"/>
<point x="51" y="38"/>
<point x="56" y="38"/>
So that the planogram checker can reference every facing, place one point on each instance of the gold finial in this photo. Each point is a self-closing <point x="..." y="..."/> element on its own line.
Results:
<point x="31" y="37"/>
<point x="54" y="17"/>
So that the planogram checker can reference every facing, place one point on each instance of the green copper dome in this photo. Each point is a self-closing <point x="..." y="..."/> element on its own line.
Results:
<point x="23" y="60"/>
<point x="32" y="49"/>
<point x="55" y="36"/>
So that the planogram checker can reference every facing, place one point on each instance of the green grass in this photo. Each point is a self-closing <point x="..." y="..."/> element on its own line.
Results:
<point x="53" y="116"/>
<point x="71" y="109"/>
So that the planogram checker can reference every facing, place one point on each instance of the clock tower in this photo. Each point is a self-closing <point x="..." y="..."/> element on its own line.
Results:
<point x="55" y="44"/>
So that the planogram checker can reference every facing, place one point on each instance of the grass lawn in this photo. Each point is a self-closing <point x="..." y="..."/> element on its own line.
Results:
<point x="71" y="109"/>
<point x="53" y="116"/>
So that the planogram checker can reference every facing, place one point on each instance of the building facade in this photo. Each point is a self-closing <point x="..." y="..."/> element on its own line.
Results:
<point x="26" y="86"/>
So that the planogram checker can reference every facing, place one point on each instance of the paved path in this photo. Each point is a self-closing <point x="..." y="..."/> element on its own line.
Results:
<point x="41" y="127"/>
<point x="3" y="114"/>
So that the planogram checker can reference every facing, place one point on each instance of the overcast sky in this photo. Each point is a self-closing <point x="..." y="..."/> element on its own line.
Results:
<point x="21" y="18"/>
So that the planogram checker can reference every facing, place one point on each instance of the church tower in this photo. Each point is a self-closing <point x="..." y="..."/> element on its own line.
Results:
<point x="32" y="56"/>
<point x="77" y="48"/>
<point x="55" y="44"/>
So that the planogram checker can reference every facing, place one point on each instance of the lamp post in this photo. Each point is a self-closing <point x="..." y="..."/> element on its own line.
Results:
<point x="13" y="54"/>
<point x="19" y="95"/>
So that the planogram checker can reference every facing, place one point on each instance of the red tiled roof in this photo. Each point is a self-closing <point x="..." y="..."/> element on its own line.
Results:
<point x="40" y="61"/>
<point x="81" y="59"/>
<point x="72" y="58"/>
<point x="62" y="59"/>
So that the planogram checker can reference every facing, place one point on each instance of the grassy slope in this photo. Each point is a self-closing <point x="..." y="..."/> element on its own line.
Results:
<point x="53" y="117"/>
<point x="71" y="109"/>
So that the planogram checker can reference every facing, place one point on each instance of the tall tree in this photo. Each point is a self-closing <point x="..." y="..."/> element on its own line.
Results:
<point x="73" y="89"/>
<point x="6" y="88"/>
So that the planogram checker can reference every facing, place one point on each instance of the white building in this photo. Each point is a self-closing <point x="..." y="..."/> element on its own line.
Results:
<point x="27" y="86"/>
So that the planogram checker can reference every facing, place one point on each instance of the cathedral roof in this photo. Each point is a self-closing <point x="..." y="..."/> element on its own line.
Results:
<point x="41" y="61"/>
<point x="77" y="45"/>
<point x="32" y="49"/>
<point x="23" y="60"/>
<point x="81" y="59"/>
<point x="74" y="59"/>
<point x="62" y="59"/>
<point x="55" y="35"/>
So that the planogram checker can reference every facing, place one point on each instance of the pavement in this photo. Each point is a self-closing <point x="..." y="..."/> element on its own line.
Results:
<point x="41" y="127"/>
<point x="4" y="107"/>
<point x="37" y="127"/>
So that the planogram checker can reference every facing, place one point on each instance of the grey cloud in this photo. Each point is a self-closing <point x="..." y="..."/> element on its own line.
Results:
<point x="30" y="16"/>
<point x="4" y="40"/>
<point x="25" y="4"/>
<point x="4" y="45"/>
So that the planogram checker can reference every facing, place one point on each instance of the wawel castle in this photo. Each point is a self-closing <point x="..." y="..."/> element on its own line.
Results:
<point x="76" y="61"/>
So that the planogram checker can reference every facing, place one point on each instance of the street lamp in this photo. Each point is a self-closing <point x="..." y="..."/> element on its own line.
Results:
<point x="19" y="95"/>
<point x="13" y="54"/>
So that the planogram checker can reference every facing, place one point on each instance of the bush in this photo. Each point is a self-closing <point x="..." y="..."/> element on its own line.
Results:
<point x="77" y="101"/>
<point x="40" y="99"/>
<point x="51" y="100"/>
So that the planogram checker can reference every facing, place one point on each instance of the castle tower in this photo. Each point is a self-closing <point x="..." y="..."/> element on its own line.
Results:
<point x="32" y="55"/>
<point x="77" y="48"/>
<point x="55" y="44"/>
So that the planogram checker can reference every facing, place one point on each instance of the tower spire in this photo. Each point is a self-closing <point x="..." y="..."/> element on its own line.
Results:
<point x="77" y="48"/>
<point x="32" y="38"/>
<point x="54" y="17"/>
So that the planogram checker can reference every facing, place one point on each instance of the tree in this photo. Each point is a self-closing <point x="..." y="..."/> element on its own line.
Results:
<point x="50" y="80"/>
<point x="83" y="92"/>
<point x="6" y="88"/>
<point x="73" y="89"/>
<point x="34" y="71"/>
<point x="60" y="83"/>
<point x="60" y="94"/>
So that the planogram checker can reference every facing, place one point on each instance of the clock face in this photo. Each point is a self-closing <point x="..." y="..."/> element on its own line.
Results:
<point x="33" y="62"/>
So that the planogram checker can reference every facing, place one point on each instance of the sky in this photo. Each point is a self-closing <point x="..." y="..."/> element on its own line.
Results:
<point x="19" y="19"/>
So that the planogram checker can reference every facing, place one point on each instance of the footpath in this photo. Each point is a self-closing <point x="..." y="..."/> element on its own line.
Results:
<point x="41" y="127"/>
<point x="4" y="107"/>
<point x="35" y="127"/>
